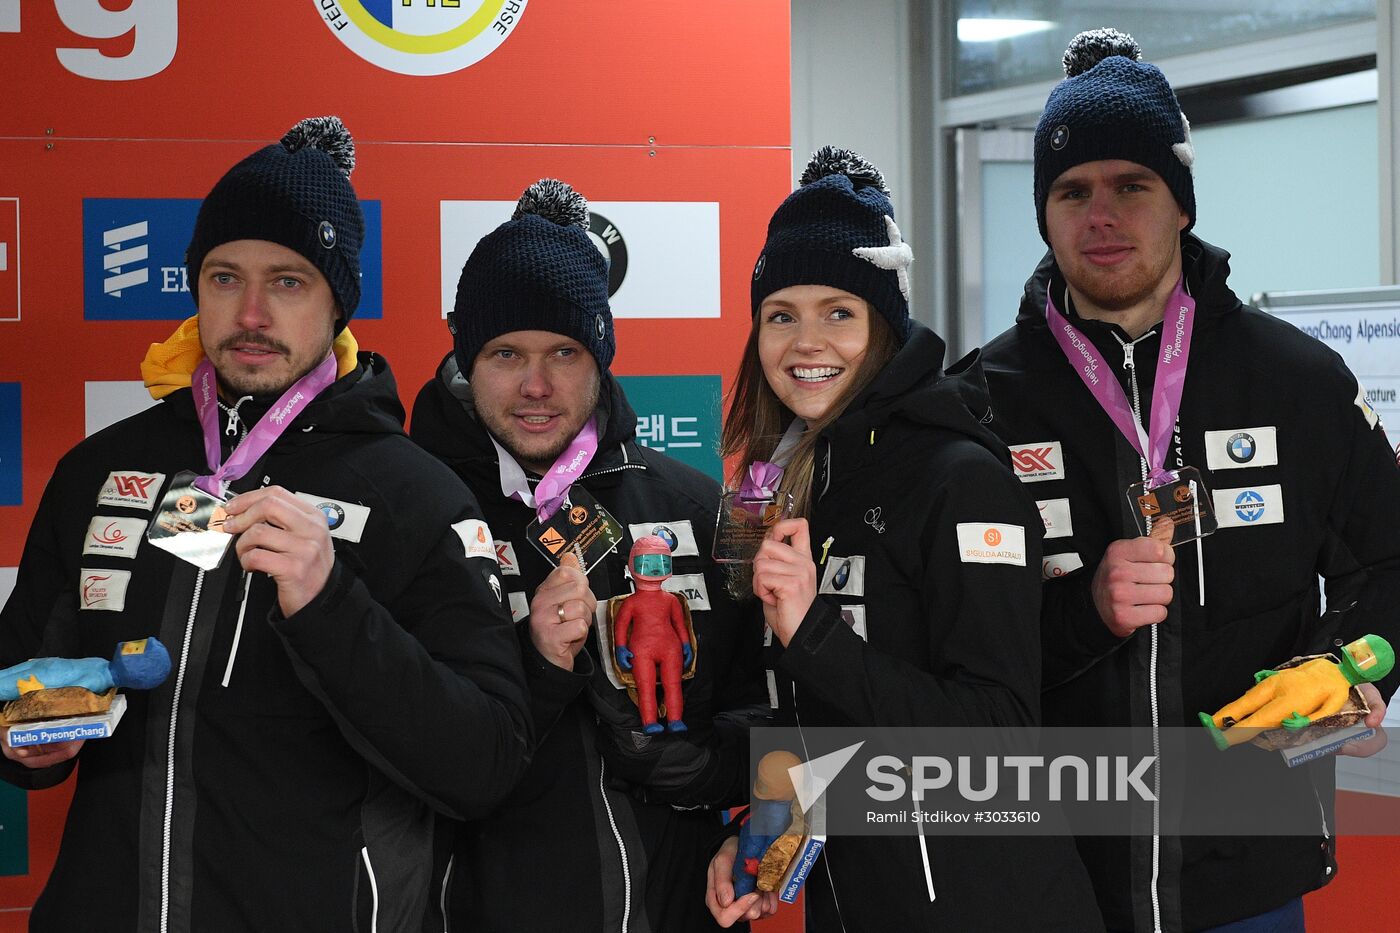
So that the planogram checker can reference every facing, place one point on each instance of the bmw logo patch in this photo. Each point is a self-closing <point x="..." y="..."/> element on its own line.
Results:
<point x="1249" y="506"/>
<point x="326" y="233"/>
<point x="608" y="239"/>
<point x="1059" y="138"/>
<point x="667" y="535"/>
<point x="600" y="327"/>
<point x="1241" y="447"/>
<point x="758" y="269"/>
<point x="335" y="515"/>
<point x="842" y="576"/>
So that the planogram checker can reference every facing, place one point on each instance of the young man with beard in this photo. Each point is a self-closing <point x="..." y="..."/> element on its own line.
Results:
<point x="343" y="667"/>
<point x="1092" y="391"/>
<point x="611" y="827"/>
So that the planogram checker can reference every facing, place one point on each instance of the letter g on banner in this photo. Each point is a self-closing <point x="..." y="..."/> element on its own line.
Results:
<point x="154" y="27"/>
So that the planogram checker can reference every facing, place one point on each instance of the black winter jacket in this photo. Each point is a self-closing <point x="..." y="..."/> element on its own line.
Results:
<point x="1313" y="491"/>
<point x="610" y="829"/>
<point x="285" y="775"/>
<point x="902" y="475"/>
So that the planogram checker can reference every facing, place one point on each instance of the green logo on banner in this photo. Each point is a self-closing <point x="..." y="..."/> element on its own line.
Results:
<point x="679" y="416"/>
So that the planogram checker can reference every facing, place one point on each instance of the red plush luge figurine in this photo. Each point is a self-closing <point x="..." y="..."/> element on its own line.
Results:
<point x="650" y="633"/>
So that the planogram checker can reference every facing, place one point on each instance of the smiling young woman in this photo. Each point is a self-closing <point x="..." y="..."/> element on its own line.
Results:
<point x="906" y="591"/>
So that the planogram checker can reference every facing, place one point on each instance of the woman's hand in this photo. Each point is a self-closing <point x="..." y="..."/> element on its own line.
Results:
<point x="785" y="578"/>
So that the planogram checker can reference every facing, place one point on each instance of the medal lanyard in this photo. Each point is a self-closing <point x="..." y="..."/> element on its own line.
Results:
<point x="262" y="435"/>
<point x="1167" y="385"/>
<point x="763" y="476"/>
<point x="553" y="489"/>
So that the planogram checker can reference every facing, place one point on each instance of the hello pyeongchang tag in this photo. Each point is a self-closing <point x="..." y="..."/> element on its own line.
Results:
<point x="1172" y="505"/>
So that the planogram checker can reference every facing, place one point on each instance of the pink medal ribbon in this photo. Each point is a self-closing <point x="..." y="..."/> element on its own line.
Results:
<point x="554" y="487"/>
<point x="1167" y="386"/>
<point x="262" y="435"/>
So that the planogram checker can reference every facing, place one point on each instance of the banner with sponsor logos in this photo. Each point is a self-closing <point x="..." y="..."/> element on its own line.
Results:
<point x="672" y="120"/>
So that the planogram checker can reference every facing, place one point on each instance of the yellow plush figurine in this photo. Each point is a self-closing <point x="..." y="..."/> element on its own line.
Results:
<point x="1295" y="697"/>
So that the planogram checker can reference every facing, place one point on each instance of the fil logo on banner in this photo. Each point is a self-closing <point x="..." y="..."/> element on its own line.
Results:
<point x="9" y="259"/>
<point x="421" y="37"/>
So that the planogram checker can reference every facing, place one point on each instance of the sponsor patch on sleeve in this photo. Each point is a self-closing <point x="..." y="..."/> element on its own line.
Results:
<point x="115" y="537"/>
<point x="476" y="538"/>
<point x="103" y="589"/>
<point x="844" y="576"/>
<point x="345" y="520"/>
<point x="1038" y="462"/>
<point x="679" y="536"/>
<point x="980" y="543"/>
<point x="1238" y="448"/>
<point x="1054" y="566"/>
<point x="1364" y="403"/>
<point x="1056" y="516"/>
<point x="128" y="489"/>
<point x="519" y="606"/>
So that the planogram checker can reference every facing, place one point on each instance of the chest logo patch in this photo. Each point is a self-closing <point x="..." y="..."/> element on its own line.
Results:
<point x="1038" y="462"/>
<point x="843" y="576"/>
<point x="1250" y="505"/>
<point x="1056" y="516"/>
<point x="1054" y="566"/>
<point x="344" y="520"/>
<point x="692" y="587"/>
<point x="130" y="490"/>
<point x="679" y="536"/>
<point x="103" y="589"/>
<point x="117" y="537"/>
<point x="505" y="556"/>
<point x="1241" y="448"/>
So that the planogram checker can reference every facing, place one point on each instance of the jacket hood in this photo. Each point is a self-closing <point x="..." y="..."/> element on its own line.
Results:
<point x="1206" y="268"/>
<point x="914" y="387"/>
<point x="445" y="424"/>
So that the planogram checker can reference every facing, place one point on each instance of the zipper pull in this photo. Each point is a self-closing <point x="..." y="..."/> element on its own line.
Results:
<point x="826" y="546"/>
<point x="232" y="428"/>
<point x="1128" y="355"/>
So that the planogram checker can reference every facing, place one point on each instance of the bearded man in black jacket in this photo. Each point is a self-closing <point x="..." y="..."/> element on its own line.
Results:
<point x="611" y="828"/>
<point x="344" y="666"/>
<point x="1291" y="456"/>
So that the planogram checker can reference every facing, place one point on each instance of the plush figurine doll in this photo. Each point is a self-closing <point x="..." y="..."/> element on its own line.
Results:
<point x="1295" y="697"/>
<point x="141" y="665"/>
<point x="650" y="632"/>
<point x="770" y="833"/>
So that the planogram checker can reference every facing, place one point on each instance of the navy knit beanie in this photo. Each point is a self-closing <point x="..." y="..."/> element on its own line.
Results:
<point x="537" y="271"/>
<point x="1111" y="105"/>
<point x="837" y="229"/>
<point x="297" y="194"/>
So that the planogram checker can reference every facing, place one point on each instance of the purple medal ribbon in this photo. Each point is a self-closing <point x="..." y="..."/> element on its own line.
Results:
<point x="554" y="487"/>
<point x="262" y="435"/>
<point x="1167" y="387"/>
<point x="761" y="481"/>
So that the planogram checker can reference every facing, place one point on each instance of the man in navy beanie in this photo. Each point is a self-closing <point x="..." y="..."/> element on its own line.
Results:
<point x="1133" y="367"/>
<point x="344" y="663"/>
<point x="612" y="826"/>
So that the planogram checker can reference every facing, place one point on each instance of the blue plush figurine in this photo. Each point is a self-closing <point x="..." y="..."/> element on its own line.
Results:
<point x="141" y="664"/>
<point x="769" y="818"/>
